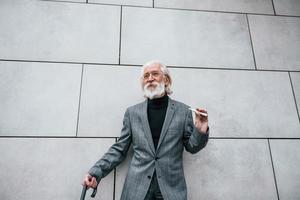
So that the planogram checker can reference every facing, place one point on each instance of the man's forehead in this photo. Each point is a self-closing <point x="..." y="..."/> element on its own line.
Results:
<point x="152" y="67"/>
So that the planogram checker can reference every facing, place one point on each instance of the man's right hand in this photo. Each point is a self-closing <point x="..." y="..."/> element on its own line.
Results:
<point x="90" y="181"/>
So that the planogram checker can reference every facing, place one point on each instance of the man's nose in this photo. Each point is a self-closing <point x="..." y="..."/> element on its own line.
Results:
<point x="151" y="78"/>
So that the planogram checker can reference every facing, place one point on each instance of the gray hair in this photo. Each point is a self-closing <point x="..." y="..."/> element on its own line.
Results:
<point x="164" y="70"/>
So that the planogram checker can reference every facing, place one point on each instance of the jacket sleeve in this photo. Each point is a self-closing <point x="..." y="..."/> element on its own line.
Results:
<point x="116" y="153"/>
<point x="193" y="140"/>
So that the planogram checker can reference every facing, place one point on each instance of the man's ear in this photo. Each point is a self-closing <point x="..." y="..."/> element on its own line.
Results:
<point x="167" y="80"/>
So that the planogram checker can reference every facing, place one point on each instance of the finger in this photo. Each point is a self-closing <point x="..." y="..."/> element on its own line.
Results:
<point x="198" y="112"/>
<point x="89" y="177"/>
<point x="88" y="184"/>
<point x="88" y="181"/>
<point x="202" y="112"/>
<point x="85" y="181"/>
<point x="94" y="183"/>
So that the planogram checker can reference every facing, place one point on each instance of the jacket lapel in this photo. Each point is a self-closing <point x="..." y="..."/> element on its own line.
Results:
<point x="168" y="119"/>
<point x="146" y="126"/>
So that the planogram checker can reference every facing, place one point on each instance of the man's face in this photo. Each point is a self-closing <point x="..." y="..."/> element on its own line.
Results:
<point x="154" y="81"/>
<point x="152" y="76"/>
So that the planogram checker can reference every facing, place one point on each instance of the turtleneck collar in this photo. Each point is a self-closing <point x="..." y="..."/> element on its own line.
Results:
<point x="158" y="102"/>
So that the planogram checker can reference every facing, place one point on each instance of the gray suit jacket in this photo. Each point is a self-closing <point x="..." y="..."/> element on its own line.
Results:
<point x="178" y="132"/>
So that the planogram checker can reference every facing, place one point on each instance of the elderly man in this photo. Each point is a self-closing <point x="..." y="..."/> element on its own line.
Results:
<point x="158" y="130"/>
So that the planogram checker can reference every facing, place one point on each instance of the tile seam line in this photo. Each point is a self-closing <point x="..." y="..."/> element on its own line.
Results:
<point x="227" y="69"/>
<point x="273" y="6"/>
<point x="294" y="95"/>
<point x="58" y="62"/>
<point x="120" y="36"/>
<point x="216" y="68"/>
<point x="180" y="9"/>
<point x="273" y="168"/>
<point x="79" y="100"/>
<point x="224" y="12"/>
<point x="251" y="42"/>
<point x="92" y="3"/>
<point x="139" y="65"/>
<point x="206" y="68"/>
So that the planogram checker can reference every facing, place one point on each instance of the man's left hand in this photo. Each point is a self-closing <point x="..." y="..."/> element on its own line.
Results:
<point x="201" y="120"/>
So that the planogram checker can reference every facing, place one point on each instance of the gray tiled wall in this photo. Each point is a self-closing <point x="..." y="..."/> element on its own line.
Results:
<point x="288" y="175"/>
<point x="35" y="168"/>
<point x="280" y="47"/>
<point x="62" y="32"/>
<point x="242" y="6"/>
<point x="39" y="99"/>
<point x="70" y="68"/>
<point x="106" y="93"/>
<point x="147" y="3"/>
<point x="287" y="7"/>
<point x="241" y="103"/>
<point x="228" y="169"/>
<point x="198" y="39"/>
<point x="295" y="78"/>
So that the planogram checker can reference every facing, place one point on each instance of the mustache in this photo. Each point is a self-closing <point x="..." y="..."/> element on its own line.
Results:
<point x="151" y="84"/>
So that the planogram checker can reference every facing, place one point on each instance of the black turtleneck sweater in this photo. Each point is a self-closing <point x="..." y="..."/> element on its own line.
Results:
<point x="156" y="111"/>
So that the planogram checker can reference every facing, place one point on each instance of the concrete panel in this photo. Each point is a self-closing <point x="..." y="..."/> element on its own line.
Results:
<point x="50" y="168"/>
<point x="276" y="42"/>
<point x="147" y="3"/>
<point x="287" y="7"/>
<point x="185" y="38"/>
<point x="231" y="169"/>
<point x="240" y="103"/>
<point x="106" y="93"/>
<point x="56" y="31"/>
<point x="296" y="85"/>
<point x="244" y="6"/>
<point x="39" y="98"/>
<point x="79" y="1"/>
<point x="286" y="159"/>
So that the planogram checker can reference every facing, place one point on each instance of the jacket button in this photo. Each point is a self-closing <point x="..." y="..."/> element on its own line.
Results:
<point x="149" y="177"/>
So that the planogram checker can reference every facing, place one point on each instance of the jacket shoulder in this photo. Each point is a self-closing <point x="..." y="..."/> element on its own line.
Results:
<point x="179" y="104"/>
<point x="137" y="106"/>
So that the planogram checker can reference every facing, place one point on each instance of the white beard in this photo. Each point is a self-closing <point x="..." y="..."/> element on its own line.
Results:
<point x="158" y="91"/>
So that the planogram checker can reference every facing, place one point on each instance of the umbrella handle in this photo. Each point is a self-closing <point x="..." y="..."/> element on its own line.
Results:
<point x="84" y="189"/>
<point x="94" y="192"/>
